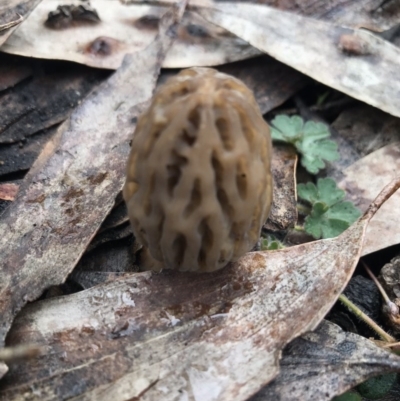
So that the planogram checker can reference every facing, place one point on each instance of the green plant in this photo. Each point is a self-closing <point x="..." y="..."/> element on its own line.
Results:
<point x="378" y="386"/>
<point x="270" y="243"/>
<point x="330" y="215"/>
<point x="308" y="138"/>
<point x="349" y="396"/>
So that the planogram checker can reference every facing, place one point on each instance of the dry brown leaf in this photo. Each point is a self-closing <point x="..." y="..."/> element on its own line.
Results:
<point x="124" y="29"/>
<point x="362" y="181"/>
<point x="174" y="335"/>
<point x="72" y="186"/>
<point x="326" y="363"/>
<point x="8" y="191"/>
<point x="352" y="61"/>
<point x="12" y="14"/>
<point x="12" y="71"/>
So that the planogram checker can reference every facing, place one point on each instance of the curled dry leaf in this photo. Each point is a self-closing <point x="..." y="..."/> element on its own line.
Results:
<point x="72" y="186"/>
<point x="326" y="363"/>
<point x="362" y="181"/>
<point x="364" y="67"/>
<point x="170" y="335"/>
<point x="123" y="29"/>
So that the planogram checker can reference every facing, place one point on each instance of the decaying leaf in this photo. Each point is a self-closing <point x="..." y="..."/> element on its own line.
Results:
<point x="123" y="29"/>
<point x="8" y="191"/>
<point x="12" y="71"/>
<point x="13" y="13"/>
<point x="47" y="99"/>
<point x="174" y="335"/>
<point x="319" y="49"/>
<point x="362" y="181"/>
<point x="359" y="131"/>
<point x="72" y="186"/>
<point x="326" y="363"/>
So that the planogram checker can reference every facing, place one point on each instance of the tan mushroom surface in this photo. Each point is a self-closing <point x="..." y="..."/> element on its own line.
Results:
<point x="199" y="184"/>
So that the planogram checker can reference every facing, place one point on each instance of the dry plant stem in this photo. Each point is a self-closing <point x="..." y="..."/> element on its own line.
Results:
<point x="394" y="310"/>
<point x="11" y="23"/>
<point x="20" y="352"/>
<point x="303" y="210"/>
<point x="354" y="309"/>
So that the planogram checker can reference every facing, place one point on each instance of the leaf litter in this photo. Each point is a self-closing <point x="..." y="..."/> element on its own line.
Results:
<point x="343" y="58"/>
<point x="312" y="366"/>
<point x="179" y="321"/>
<point x="72" y="186"/>
<point x="193" y="338"/>
<point x="123" y="29"/>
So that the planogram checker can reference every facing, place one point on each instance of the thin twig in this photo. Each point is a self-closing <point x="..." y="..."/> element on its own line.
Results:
<point x="10" y="24"/>
<point x="366" y="319"/>
<point x="394" y="309"/>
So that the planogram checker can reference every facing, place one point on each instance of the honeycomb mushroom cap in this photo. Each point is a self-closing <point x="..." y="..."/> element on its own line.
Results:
<point x="199" y="184"/>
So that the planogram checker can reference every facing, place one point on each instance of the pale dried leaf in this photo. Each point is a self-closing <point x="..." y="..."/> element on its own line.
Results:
<point x="72" y="186"/>
<point x="12" y="14"/>
<point x="352" y="61"/>
<point x="124" y="29"/>
<point x="184" y="335"/>
<point x="362" y="182"/>
<point x="326" y="363"/>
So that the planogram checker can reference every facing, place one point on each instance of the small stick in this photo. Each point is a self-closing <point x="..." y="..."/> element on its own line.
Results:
<point x="394" y="309"/>
<point x="19" y="352"/>
<point x="360" y="314"/>
<point x="10" y="24"/>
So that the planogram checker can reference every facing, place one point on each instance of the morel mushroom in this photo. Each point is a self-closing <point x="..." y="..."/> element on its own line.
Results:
<point x="199" y="184"/>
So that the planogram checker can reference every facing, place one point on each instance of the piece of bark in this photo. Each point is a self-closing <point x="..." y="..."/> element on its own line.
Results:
<point x="326" y="363"/>
<point x="72" y="186"/>
<point x="283" y="213"/>
<point x="178" y="335"/>
<point x="343" y="58"/>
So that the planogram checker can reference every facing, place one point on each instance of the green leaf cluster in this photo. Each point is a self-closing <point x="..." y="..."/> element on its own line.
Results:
<point x="330" y="214"/>
<point x="309" y="139"/>
<point x="270" y="243"/>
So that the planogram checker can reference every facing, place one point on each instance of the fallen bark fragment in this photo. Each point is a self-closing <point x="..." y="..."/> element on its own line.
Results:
<point x="171" y="335"/>
<point x="326" y="363"/>
<point x="352" y="61"/>
<point x="72" y="187"/>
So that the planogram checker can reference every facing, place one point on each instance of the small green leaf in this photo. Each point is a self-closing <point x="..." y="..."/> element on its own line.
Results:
<point x="349" y="396"/>
<point x="378" y="386"/>
<point x="325" y="191"/>
<point x="308" y="192"/>
<point x="270" y="243"/>
<point x="330" y="215"/>
<point x="309" y="140"/>
<point x="286" y="128"/>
